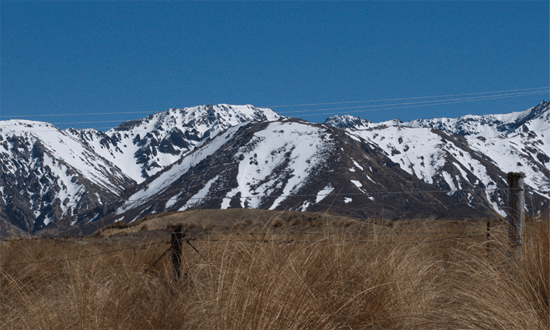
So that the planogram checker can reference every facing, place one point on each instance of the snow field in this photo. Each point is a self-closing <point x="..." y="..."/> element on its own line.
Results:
<point x="293" y="148"/>
<point x="423" y="153"/>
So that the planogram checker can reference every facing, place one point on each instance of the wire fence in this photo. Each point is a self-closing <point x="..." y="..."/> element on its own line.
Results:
<point x="333" y="241"/>
<point x="178" y="233"/>
<point x="210" y="239"/>
<point x="480" y="198"/>
<point x="84" y="256"/>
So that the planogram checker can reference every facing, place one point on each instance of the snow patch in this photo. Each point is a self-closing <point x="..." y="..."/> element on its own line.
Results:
<point x="47" y="220"/>
<point x="324" y="193"/>
<point x="97" y="216"/>
<point x="200" y="196"/>
<point x="357" y="165"/>
<point x="171" y="201"/>
<point x="368" y="177"/>
<point x="357" y="183"/>
<point x="304" y="206"/>
<point x="449" y="179"/>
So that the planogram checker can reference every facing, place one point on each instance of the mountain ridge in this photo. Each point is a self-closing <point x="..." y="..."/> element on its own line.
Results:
<point x="160" y="139"/>
<point x="247" y="169"/>
<point x="502" y="123"/>
<point x="227" y="156"/>
<point x="47" y="175"/>
<point x="510" y="140"/>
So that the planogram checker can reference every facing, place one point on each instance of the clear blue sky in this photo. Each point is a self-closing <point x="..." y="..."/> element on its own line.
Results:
<point x="78" y="57"/>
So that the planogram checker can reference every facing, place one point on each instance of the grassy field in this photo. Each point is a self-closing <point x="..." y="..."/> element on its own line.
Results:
<point x="281" y="273"/>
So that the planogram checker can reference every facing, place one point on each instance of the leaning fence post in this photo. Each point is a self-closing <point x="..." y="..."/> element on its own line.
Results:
<point x="516" y="209"/>
<point x="176" y="241"/>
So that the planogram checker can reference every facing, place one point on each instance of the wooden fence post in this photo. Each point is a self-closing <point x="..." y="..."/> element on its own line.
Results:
<point x="488" y="234"/>
<point x="176" y="241"/>
<point x="516" y="209"/>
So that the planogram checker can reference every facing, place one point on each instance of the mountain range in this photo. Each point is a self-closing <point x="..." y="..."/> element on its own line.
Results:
<point x="225" y="156"/>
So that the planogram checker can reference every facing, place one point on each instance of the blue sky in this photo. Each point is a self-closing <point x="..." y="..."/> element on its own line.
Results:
<point x="63" y="62"/>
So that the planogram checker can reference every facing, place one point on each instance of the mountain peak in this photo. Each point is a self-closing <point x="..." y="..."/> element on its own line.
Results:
<point x="145" y="146"/>
<point x="489" y="125"/>
<point x="347" y="121"/>
<point x="542" y="106"/>
<point x="204" y="115"/>
<point x="24" y="125"/>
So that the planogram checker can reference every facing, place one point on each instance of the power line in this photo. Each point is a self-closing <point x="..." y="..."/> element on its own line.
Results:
<point x="364" y="108"/>
<point x="53" y="128"/>
<point x="79" y="114"/>
<point x="545" y="89"/>
<point x="382" y="107"/>
<point x="481" y="96"/>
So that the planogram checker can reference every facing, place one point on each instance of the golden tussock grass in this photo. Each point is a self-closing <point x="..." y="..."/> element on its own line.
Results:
<point x="415" y="275"/>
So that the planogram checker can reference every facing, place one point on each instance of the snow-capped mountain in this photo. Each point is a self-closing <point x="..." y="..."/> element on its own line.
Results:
<point x="347" y="121"/>
<point x="465" y="152"/>
<point x="534" y="119"/>
<point x="48" y="175"/>
<point x="226" y="156"/>
<point x="292" y="165"/>
<point x="146" y="146"/>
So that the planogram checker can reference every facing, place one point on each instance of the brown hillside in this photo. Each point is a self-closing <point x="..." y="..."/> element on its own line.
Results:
<point x="227" y="219"/>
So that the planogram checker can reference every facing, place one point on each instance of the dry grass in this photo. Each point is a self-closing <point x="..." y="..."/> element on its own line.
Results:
<point x="415" y="275"/>
<point x="225" y="219"/>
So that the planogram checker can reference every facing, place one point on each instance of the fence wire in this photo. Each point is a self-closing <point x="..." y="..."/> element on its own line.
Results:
<point x="85" y="256"/>
<point x="276" y="241"/>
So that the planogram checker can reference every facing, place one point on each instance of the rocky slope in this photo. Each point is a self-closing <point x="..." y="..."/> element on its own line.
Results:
<point x="47" y="175"/>
<point x="465" y="152"/>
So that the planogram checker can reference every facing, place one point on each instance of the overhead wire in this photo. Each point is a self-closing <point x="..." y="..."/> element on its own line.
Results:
<point x="545" y="89"/>
<point x="383" y="107"/>
<point x="78" y="114"/>
<point x="443" y="100"/>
